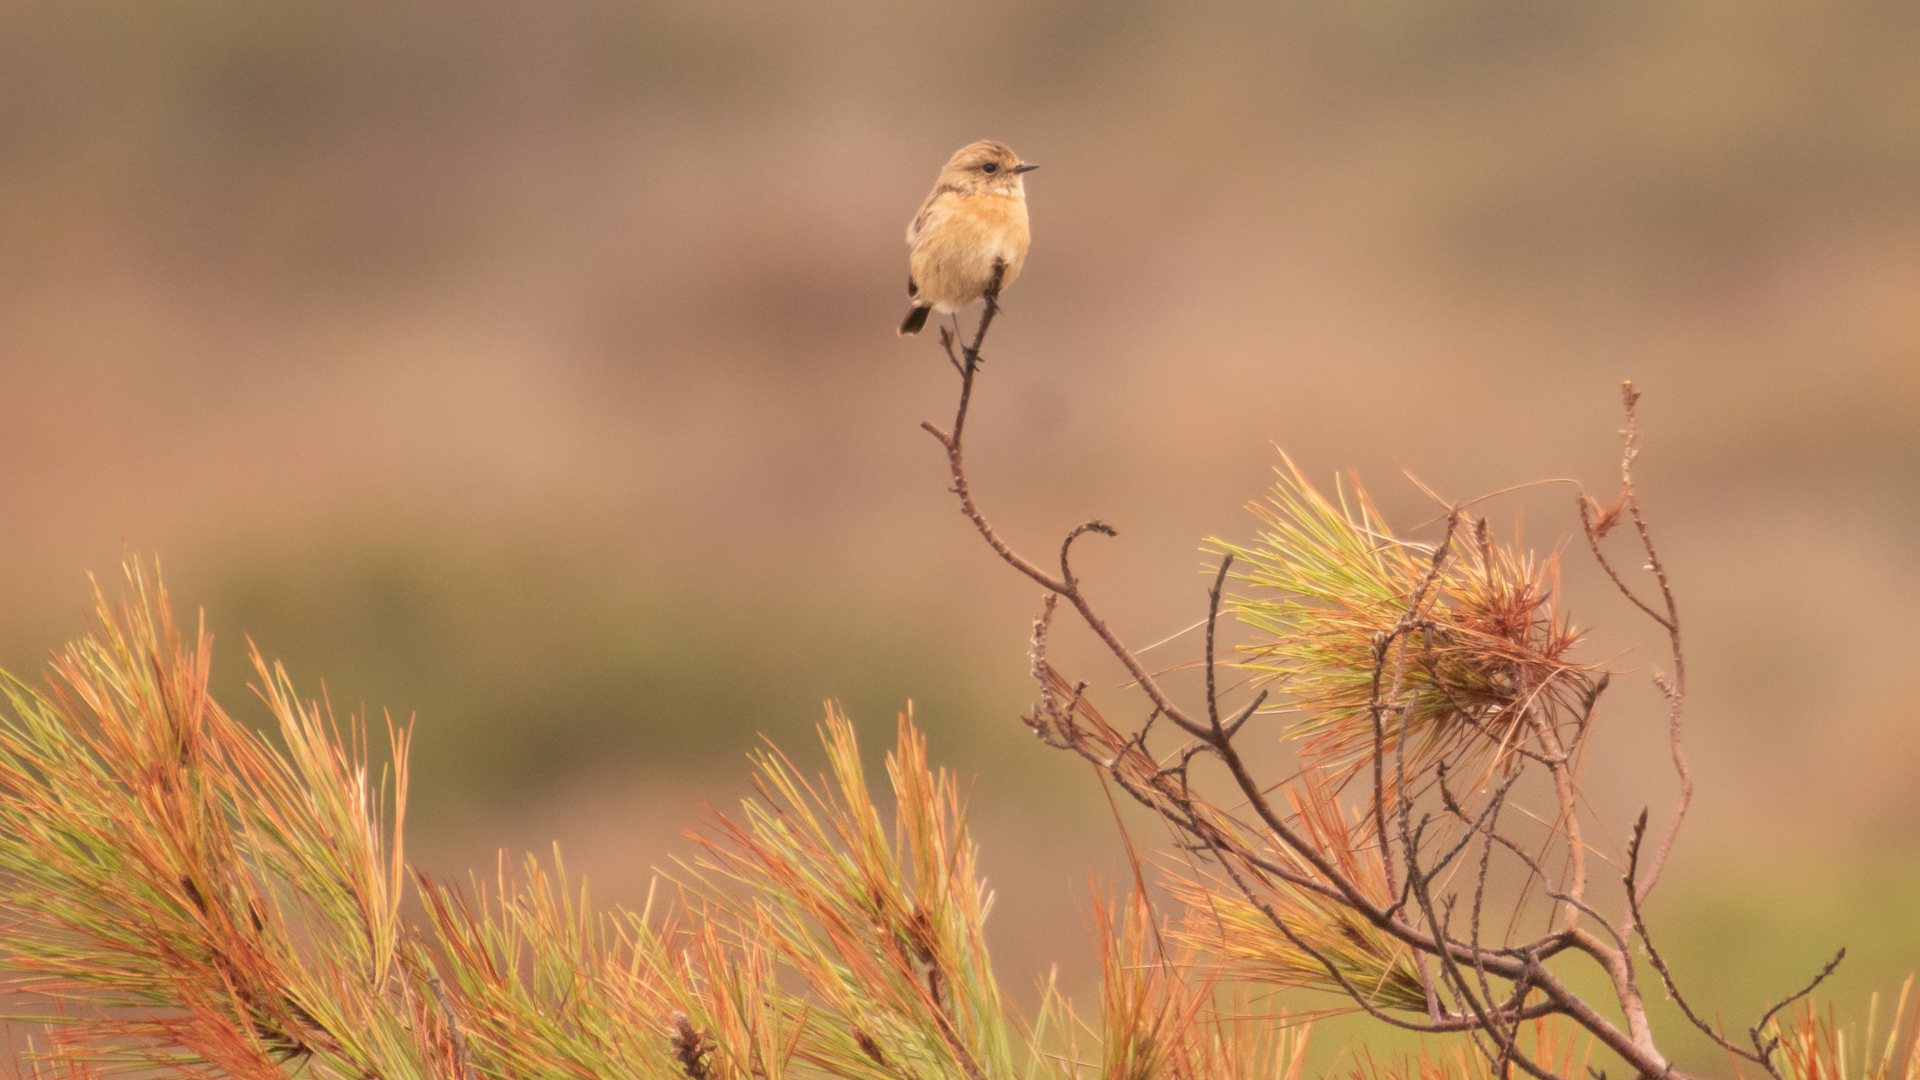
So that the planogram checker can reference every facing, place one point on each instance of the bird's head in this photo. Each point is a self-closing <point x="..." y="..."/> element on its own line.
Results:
<point x="986" y="166"/>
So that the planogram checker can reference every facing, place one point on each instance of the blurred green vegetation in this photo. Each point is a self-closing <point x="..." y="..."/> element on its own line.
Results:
<point x="517" y="669"/>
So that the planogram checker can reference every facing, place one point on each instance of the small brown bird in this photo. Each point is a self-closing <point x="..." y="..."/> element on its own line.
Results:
<point x="977" y="214"/>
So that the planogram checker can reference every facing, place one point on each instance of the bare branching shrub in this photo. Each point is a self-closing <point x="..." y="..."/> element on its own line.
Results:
<point x="1425" y="679"/>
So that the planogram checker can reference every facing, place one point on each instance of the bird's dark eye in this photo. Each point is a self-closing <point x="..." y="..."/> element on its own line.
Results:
<point x="990" y="167"/>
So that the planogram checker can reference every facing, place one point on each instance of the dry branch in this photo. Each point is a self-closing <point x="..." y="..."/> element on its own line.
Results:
<point x="1442" y="657"/>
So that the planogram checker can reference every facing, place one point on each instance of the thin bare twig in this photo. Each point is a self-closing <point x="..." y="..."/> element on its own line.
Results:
<point x="1660" y="963"/>
<point x="1674" y="689"/>
<point x="1767" y="1047"/>
<point x="951" y="440"/>
<point x="1213" y="616"/>
<point x="1408" y="622"/>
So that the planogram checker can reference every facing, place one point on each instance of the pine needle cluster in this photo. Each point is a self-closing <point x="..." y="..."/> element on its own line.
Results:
<point x="190" y="896"/>
<point x="1330" y="589"/>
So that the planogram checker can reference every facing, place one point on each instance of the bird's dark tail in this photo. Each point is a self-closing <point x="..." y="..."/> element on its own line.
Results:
<point x="916" y="319"/>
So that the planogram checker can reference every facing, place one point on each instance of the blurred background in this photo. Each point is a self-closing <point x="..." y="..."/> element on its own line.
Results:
<point x="528" y="370"/>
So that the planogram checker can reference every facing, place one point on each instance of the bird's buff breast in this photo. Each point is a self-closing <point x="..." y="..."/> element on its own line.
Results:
<point x="952" y="258"/>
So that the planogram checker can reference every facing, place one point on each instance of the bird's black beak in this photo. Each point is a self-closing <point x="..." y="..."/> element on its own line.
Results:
<point x="1025" y="166"/>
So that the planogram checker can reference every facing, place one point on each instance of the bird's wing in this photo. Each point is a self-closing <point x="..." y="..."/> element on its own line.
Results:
<point x="934" y="208"/>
